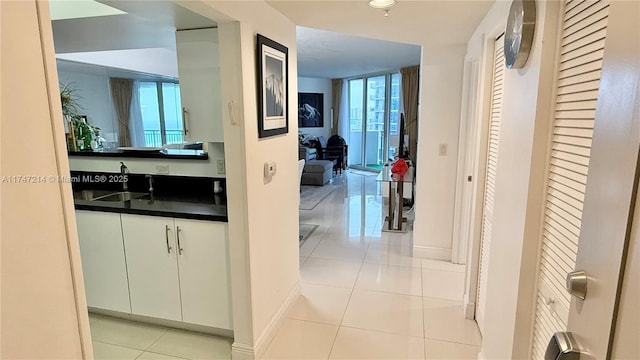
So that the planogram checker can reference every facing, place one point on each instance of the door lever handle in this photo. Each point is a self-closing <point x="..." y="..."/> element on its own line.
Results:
<point x="577" y="284"/>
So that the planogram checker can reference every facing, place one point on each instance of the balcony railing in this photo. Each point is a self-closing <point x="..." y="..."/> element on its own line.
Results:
<point x="153" y="138"/>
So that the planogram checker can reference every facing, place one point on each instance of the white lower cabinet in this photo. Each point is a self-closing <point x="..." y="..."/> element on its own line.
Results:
<point x="103" y="260"/>
<point x="204" y="279"/>
<point x="178" y="269"/>
<point x="152" y="266"/>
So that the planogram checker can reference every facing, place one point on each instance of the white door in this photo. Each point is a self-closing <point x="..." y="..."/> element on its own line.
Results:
<point x="490" y="178"/>
<point x="582" y="42"/>
<point x="611" y="185"/>
<point x="152" y="265"/>
<point x="204" y="272"/>
<point x="103" y="263"/>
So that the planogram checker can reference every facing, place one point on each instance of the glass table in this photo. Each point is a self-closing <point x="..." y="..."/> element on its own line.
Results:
<point x="394" y="221"/>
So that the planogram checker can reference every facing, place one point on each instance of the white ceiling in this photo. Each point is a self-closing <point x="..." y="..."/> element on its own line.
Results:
<point x="326" y="54"/>
<point x="431" y="23"/>
<point x="145" y="35"/>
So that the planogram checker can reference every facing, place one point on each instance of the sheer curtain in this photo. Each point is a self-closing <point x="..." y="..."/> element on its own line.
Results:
<point x="135" y="119"/>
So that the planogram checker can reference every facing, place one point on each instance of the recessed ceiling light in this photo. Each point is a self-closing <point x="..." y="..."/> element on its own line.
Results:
<point x="74" y="9"/>
<point x="382" y="4"/>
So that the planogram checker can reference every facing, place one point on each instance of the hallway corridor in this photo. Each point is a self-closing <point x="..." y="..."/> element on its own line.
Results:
<point x="364" y="296"/>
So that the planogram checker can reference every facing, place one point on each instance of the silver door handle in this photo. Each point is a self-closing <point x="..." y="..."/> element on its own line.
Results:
<point x="180" y="249"/>
<point x="185" y="114"/>
<point x="166" y="235"/>
<point x="562" y="346"/>
<point x="577" y="284"/>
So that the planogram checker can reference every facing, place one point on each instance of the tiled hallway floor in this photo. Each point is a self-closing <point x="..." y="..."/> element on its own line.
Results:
<point x="363" y="297"/>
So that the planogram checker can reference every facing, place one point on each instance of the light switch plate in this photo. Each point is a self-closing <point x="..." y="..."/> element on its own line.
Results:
<point x="220" y="166"/>
<point x="162" y="169"/>
<point x="269" y="169"/>
<point x="443" y="149"/>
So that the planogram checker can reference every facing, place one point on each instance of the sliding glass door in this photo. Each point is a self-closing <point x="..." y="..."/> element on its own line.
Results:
<point x="373" y="116"/>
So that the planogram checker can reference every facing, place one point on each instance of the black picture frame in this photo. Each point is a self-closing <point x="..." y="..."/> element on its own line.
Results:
<point x="273" y="87"/>
<point x="310" y="110"/>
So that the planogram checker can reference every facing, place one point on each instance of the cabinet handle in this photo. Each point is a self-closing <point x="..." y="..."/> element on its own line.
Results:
<point x="185" y="114"/>
<point x="166" y="235"/>
<point x="180" y="249"/>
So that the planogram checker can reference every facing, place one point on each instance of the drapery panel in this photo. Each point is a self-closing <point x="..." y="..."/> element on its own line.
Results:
<point x="336" y="102"/>
<point x="121" y="94"/>
<point x="410" y="89"/>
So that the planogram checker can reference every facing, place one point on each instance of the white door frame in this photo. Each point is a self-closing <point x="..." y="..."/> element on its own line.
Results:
<point x="464" y="177"/>
<point x="477" y="157"/>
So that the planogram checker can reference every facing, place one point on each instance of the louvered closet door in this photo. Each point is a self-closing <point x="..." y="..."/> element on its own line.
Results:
<point x="582" y="46"/>
<point x="497" y="88"/>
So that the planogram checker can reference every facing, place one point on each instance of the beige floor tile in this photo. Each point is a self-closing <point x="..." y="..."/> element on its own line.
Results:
<point x="442" y="284"/>
<point x="153" y="356"/>
<point x="444" y="320"/>
<point x="364" y="344"/>
<point x="319" y="303"/>
<point x="385" y="312"/>
<point x="103" y="351"/>
<point x="390" y="278"/>
<point x="191" y="345"/>
<point x="391" y="254"/>
<point x="298" y="339"/>
<point x="437" y="350"/>
<point x="330" y="272"/>
<point x="442" y="265"/>
<point x="125" y="333"/>
<point x="302" y="260"/>
<point x="310" y="244"/>
<point x="340" y="250"/>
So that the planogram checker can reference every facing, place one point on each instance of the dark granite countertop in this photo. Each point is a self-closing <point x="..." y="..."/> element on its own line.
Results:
<point x="174" y="196"/>
<point x="160" y="206"/>
<point x="184" y="154"/>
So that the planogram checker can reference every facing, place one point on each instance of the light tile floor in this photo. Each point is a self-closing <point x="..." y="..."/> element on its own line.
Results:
<point x="363" y="297"/>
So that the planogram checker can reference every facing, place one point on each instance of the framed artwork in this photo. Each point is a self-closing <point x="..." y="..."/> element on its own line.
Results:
<point x="273" y="89"/>
<point x="310" y="110"/>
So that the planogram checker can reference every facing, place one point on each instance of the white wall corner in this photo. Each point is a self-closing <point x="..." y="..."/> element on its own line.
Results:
<point x="271" y="329"/>
<point x="469" y="309"/>
<point x="431" y="252"/>
<point x="481" y="356"/>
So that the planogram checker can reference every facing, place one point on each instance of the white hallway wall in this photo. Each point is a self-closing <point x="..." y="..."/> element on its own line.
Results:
<point x="317" y="85"/>
<point x="43" y="308"/>
<point x="263" y="237"/>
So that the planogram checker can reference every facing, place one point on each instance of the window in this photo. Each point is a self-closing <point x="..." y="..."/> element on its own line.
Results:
<point x="374" y="119"/>
<point x="161" y="113"/>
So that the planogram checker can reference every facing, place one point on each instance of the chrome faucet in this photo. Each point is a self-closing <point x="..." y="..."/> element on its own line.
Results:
<point x="124" y="171"/>
<point x="150" y="178"/>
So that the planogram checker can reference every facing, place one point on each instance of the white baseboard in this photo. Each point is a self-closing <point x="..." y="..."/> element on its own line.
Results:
<point x="431" y="252"/>
<point x="240" y="351"/>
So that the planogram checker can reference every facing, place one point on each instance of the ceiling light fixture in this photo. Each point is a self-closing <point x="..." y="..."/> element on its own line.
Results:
<point x="382" y="4"/>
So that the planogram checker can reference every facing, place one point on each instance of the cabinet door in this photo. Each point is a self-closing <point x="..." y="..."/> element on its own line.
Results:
<point x="152" y="266"/>
<point x="200" y="88"/>
<point x="103" y="261"/>
<point x="204" y="275"/>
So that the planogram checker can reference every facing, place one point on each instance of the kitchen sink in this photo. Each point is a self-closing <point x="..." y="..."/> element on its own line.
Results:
<point x="91" y="194"/>
<point x="108" y="195"/>
<point x="121" y="196"/>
